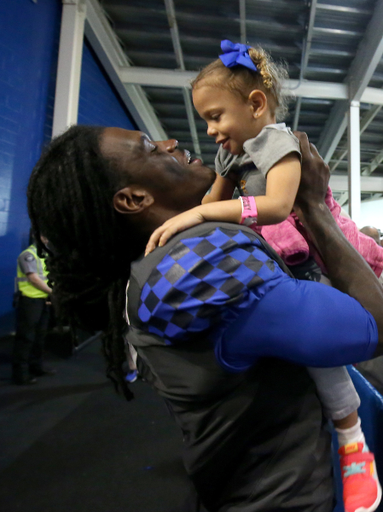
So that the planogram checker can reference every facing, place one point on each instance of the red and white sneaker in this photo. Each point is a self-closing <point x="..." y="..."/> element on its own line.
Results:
<point x="361" y="488"/>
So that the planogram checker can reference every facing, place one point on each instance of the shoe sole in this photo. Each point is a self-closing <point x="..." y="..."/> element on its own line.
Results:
<point x="375" y="505"/>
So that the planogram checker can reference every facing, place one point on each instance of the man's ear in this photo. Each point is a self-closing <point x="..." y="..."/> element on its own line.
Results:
<point x="132" y="200"/>
<point x="258" y="101"/>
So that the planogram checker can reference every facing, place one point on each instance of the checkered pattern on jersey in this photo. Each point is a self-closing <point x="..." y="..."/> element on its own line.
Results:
<point x="200" y="278"/>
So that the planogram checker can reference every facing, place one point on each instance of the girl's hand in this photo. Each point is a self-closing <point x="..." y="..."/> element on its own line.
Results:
<point x="172" y="226"/>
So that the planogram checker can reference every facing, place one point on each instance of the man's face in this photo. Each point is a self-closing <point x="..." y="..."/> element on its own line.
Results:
<point x="170" y="174"/>
<point x="229" y="118"/>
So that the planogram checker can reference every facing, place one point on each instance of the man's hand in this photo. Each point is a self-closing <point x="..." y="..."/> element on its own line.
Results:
<point x="314" y="177"/>
<point x="346" y="268"/>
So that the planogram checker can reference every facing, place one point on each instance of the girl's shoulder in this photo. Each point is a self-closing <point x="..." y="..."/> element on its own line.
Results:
<point x="271" y="136"/>
<point x="225" y="162"/>
<point x="280" y="127"/>
<point x="272" y="144"/>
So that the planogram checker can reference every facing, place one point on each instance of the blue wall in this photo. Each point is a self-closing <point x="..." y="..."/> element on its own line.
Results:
<point x="99" y="102"/>
<point x="29" y="40"/>
<point x="29" y="35"/>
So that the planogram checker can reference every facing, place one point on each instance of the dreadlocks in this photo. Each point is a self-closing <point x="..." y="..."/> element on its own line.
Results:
<point x="70" y="203"/>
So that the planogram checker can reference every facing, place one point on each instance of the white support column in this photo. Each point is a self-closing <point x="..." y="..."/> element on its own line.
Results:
<point x="69" y="65"/>
<point x="354" y="161"/>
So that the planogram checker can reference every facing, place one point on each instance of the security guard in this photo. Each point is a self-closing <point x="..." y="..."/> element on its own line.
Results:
<point x="32" y="318"/>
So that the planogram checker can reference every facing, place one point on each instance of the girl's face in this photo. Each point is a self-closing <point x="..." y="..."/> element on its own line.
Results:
<point x="230" y="119"/>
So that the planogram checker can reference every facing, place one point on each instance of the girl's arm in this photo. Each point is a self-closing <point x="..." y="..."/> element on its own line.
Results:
<point x="222" y="190"/>
<point x="217" y="205"/>
<point x="281" y="188"/>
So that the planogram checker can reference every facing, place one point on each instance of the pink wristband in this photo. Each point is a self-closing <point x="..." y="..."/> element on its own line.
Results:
<point x="249" y="211"/>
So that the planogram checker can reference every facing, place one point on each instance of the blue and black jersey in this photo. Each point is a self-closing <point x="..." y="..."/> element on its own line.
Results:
<point x="212" y="314"/>
<point x="206" y="283"/>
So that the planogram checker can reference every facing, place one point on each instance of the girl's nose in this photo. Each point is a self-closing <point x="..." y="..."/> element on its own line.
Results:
<point x="212" y="132"/>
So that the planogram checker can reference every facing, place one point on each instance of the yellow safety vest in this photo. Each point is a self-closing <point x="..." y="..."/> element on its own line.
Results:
<point x="23" y="284"/>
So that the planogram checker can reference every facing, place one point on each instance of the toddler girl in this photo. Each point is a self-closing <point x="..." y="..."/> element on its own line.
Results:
<point x="239" y="96"/>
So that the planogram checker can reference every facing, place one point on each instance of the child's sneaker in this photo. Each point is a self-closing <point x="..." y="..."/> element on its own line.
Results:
<point x="361" y="488"/>
<point x="131" y="376"/>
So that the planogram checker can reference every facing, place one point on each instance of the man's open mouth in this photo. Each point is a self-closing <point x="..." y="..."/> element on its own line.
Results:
<point x="190" y="160"/>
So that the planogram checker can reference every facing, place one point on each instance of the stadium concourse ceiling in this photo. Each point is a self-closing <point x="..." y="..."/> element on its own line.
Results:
<point x="333" y="49"/>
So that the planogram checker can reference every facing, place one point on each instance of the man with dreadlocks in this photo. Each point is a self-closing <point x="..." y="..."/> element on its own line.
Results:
<point x="220" y="326"/>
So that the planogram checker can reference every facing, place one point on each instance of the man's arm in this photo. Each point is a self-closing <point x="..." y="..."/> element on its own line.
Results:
<point x="346" y="268"/>
<point x="38" y="283"/>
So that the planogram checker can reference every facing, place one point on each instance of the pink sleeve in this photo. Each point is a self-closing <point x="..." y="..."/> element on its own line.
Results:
<point x="365" y="245"/>
<point x="286" y="240"/>
<point x="290" y="241"/>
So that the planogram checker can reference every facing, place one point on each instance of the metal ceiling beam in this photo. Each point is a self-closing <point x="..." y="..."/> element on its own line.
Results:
<point x="158" y="77"/>
<point x="305" y="58"/>
<point x="342" y="200"/>
<point x="366" y="171"/>
<point x="309" y="36"/>
<point x="67" y="93"/>
<point x="368" y="184"/>
<point x="242" y="20"/>
<point x="368" y="56"/>
<point x="333" y="130"/>
<point x="297" y="113"/>
<point x="354" y="161"/>
<point x="364" y="123"/>
<point x="341" y="9"/>
<point x="192" y="124"/>
<point x="108" y="49"/>
<point x="171" y="14"/>
<point x="369" y="53"/>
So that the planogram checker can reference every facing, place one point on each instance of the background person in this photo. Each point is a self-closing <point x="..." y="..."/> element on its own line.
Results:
<point x="373" y="370"/>
<point x="32" y="318"/>
<point x="372" y="233"/>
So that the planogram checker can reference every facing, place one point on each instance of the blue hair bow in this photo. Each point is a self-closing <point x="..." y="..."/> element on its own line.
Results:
<point x="235" y="54"/>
